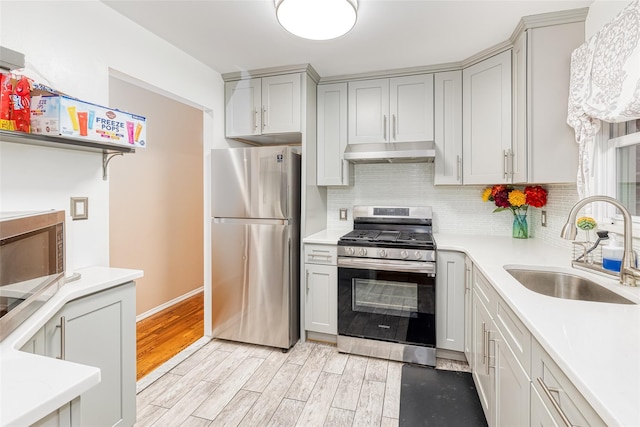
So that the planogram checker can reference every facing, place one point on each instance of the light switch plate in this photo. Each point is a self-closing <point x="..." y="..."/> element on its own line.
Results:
<point x="343" y="214"/>
<point x="79" y="208"/>
<point x="543" y="218"/>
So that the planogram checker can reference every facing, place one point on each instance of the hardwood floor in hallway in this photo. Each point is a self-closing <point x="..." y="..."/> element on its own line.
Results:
<point x="165" y="334"/>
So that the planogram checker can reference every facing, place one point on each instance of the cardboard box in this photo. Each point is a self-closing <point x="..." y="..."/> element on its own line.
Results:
<point x="66" y="116"/>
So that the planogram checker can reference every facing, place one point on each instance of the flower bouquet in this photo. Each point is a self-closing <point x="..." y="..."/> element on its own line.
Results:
<point x="517" y="201"/>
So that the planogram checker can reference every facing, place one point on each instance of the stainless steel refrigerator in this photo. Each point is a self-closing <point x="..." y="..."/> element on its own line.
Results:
<point x="255" y="235"/>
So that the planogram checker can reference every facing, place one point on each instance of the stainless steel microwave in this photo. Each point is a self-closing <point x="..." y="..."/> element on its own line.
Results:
<point x="32" y="263"/>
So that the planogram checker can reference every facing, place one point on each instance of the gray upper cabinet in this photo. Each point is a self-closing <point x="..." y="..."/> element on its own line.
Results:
<point x="541" y="71"/>
<point x="332" y="135"/>
<point x="488" y="154"/>
<point x="398" y="109"/>
<point x="263" y="106"/>
<point x="448" y="128"/>
<point x="369" y="111"/>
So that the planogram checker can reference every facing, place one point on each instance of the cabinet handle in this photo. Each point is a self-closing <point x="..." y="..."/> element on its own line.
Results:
<point x="395" y="126"/>
<point x="63" y="338"/>
<point x="264" y="117"/>
<point x="342" y="172"/>
<point x="307" y="282"/>
<point x="484" y="343"/>
<point x="458" y="164"/>
<point x="512" y="157"/>
<point x="324" y="256"/>
<point x="255" y="119"/>
<point x="384" y="127"/>
<point x="467" y="280"/>
<point x="555" y="404"/>
<point x="505" y="161"/>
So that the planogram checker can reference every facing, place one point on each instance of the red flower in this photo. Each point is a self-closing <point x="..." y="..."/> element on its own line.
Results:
<point x="501" y="197"/>
<point x="536" y="196"/>
<point x="497" y="189"/>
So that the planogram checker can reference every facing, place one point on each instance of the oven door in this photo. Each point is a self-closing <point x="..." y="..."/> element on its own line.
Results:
<point x="387" y="300"/>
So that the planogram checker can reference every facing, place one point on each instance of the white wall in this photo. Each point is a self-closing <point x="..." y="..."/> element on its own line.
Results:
<point x="456" y="209"/>
<point x="600" y="13"/>
<point x="75" y="46"/>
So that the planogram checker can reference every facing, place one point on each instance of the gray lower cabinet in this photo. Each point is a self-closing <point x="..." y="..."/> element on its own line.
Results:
<point x="450" y="299"/>
<point x="95" y="330"/>
<point x="321" y="289"/>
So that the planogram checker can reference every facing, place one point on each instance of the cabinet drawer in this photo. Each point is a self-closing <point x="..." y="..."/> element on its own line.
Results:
<point x="515" y="334"/>
<point x="550" y="383"/>
<point x="320" y="254"/>
<point x="485" y="291"/>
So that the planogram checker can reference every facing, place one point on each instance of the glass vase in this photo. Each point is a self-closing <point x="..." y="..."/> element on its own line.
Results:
<point x="520" y="227"/>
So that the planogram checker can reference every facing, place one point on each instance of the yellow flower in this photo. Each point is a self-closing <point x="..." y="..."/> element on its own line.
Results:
<point x="517" y="198"/>
<point x="486" y="193"/>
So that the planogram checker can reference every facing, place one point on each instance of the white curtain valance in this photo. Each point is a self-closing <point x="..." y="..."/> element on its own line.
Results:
<point x="604" y="85"/>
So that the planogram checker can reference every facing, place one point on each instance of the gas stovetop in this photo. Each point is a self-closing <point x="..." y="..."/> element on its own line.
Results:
<point x="395" y="238"/>
<point x="394" y="232"/>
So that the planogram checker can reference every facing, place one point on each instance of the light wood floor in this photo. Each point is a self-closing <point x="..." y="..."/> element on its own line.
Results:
<point x="167" y="333"/>
<point x="231" y="384"/>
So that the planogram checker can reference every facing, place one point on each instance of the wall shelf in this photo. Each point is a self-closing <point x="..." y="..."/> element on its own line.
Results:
<point x="63" y="142"/>
<point x="108" y="150"/>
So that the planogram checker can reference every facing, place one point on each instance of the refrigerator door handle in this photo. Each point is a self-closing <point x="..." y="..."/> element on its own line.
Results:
<point x="217" y="220"/>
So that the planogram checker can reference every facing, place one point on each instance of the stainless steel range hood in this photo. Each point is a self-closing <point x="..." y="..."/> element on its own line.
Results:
<point x="390" y="152"/>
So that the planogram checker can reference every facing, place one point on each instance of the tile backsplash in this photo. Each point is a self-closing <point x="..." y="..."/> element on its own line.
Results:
<point x="456" y="209"/>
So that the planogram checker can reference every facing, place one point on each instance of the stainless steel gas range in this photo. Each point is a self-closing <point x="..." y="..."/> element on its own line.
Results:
<point x="387" y="286"/>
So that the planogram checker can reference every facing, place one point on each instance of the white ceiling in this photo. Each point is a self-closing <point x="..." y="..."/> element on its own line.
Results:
<point x="235" y="35"/>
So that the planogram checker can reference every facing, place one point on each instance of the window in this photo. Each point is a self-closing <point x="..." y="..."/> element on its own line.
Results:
<point x="617" y="169"/>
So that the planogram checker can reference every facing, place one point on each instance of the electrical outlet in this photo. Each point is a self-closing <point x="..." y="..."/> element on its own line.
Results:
<point x="343" y="214"/>
<point x="543" y="218"/>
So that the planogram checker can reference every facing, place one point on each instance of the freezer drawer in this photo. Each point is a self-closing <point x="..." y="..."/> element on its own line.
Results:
<point x="254" y="291"/>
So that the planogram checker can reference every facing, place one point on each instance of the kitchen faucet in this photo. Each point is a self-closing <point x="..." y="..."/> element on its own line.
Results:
<point x="628" y="271"/>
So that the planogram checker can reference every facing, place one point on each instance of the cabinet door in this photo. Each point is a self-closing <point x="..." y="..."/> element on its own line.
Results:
<point x="512" y="386"/>
<point x="540" y="414"/>
<point x="369" y="111"/>
<point x="243" y="114"/>
<point x="519" y="108"/>
<point x="281" y="104"/>
<point x="332" y="135"/>
<point x="321" y="304"/>
<point x="411" y="108"/>
<point x="448" y="128"/>
<point x="450" y="293"/>
<point x="482" y="375"/>
<point x="486" y="130"/>
<point x="99" y="330"/>
<point x="468" y="313"/>
<point x="553" y="153"/>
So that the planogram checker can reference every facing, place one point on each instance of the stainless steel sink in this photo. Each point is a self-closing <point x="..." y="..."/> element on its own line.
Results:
<point x="565" y="285"/>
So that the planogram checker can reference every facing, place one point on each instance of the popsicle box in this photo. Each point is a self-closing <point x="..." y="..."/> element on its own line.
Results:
<point x="66" y="116"/>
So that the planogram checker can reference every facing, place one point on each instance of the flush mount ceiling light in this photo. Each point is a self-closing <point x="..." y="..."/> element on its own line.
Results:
<point x="317" y="19"/>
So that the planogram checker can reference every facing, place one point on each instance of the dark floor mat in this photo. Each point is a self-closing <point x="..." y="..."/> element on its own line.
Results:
<point x="431" y="397"/>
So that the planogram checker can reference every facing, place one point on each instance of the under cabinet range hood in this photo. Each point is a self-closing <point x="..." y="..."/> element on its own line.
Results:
<point x="391" y="152"/>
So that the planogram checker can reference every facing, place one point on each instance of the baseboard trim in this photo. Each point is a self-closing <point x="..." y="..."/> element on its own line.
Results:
<point x="168" y="304"/>
<point x="451" y="354"/>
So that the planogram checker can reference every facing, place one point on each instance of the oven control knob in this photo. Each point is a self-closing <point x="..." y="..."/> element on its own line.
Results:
<point x="351" y="251"/>
<point x="382" y="253"/>
<point x="418" y="254"/>
<point x="404" y="254"/>
<point x="362" y="251"/>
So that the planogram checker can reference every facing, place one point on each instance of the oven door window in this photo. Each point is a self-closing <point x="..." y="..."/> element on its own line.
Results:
<point x="386" y="305"/>
<point x="384" y="297"/>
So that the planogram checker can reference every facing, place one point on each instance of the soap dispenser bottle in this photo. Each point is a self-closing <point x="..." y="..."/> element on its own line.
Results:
<point x="612" y="254"/>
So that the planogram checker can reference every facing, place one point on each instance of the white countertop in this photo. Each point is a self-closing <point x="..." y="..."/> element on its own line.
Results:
<point x="597" y="345"/>
<point x="326" y="237"/>
<point x="33" y="386"/>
